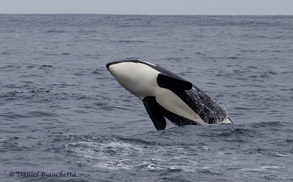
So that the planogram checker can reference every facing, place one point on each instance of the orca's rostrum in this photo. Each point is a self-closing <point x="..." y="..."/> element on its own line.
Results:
<point x="166" y="95"/>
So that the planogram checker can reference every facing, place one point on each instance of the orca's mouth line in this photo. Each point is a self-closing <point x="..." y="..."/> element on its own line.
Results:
<point x="133" y="61"/>
<point x="114" y="62"/>
<point x="108" y="64"/>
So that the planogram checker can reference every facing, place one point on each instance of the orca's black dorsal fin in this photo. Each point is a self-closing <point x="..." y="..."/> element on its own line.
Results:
<point x="155" y="112"/>
<point x="171" y="82"/>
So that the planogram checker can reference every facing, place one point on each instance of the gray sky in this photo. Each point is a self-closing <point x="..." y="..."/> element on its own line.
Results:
<point x="190" y="7"/>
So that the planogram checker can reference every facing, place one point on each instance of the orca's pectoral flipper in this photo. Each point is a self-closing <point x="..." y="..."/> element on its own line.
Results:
<point x="170" y="82"/>
<point x="155" y="112"/>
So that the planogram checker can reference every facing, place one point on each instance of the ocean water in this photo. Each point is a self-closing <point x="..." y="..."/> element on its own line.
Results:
<point x="63" y="117"/>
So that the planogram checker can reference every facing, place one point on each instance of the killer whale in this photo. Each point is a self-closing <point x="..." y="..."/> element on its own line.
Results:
<point x="167" y="95"/>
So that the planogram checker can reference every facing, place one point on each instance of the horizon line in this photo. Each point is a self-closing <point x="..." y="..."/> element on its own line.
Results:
<point x="135" y="14"/>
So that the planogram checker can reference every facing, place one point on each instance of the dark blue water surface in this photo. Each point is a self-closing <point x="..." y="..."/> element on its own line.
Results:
<point x="62" y="113"/>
